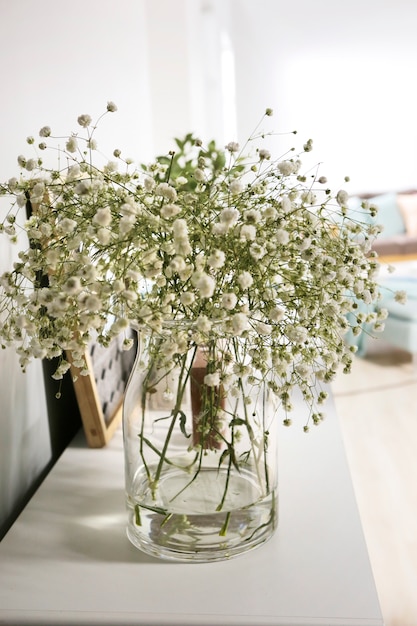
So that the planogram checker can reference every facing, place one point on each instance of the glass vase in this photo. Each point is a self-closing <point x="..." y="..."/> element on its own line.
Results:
<point x="200" y="440"/>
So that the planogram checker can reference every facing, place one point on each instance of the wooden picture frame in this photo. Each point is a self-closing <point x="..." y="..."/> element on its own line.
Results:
<point x="100" y="394"/>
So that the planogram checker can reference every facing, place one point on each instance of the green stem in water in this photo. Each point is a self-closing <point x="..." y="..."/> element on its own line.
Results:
<point x="176" y="411"/>
<point x="225" y="526"/>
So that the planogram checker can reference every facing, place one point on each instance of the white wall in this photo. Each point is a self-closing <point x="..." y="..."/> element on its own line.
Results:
<point x="342" y="73"/>
<point x="59" y="59"/>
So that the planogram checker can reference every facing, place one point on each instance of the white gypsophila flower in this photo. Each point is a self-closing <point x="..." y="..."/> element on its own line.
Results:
<point x="111" y="107"/>
<point x="308" y="146"/>
<point x="83" y="187"/>
<point x="342" y="197"/>
<point x="232" y="146"/>
<point x="120" y="324"/>
<point x="216" y="259"/>
<point x="166" y="191"/>
<point x="63" y="367"/>
<point x="72" y="144"/>
<point x="297" y="334"/>
<point x="286" y="168"/>
<point x="92" y="144"/>
<point x="308" y="197"/>
<point x="21" y="200"/>
<point x="282" y="236"/>
<point x="236" y="187"/>
<point x="52" y="257"/>
<point x="264" y="155"/>
<point x="212" y="380"/>
<point x="240" y="323"/>
<point x="199" y="175"/>
<point x="400" y="296"/>
<point x="31" y="164"/>
<point x="149" y="183"/>
<point x="366" y="296"/>
<point x="245" y="279"/>
<point x="37" y="193"/>
<point x="277" y="314"/>
<point x="286" y="204"/>
<point x="92" y="303"/>
<point x="252" y="216"/>
<point x="304" y="244"/>
<point x="67" y="225"/>
<point x="229" y="216"/>
<point x="205" y="285"/>
<point x="219" y="229"/>
<point x="103" y="235"/>
<point x="45" y="131"/>
<point x="256" y="251"/>
<point x="181" y="180"/>
<point x="72" y="285"/>
<point x="84" y="120"/>
<point x="130" y="295"/>
<point x="229" y="301"/>
<point x="129" y="208"/>
<point x="382" y="314"/>
<point x="102" y="216"/>
<point x="187" y="298"/>
<point x="127" y="344"/>
<point x="262" y="328"/>
<point x="74" y="172"/>
<point x="133" y="274"/>
<point x="303" y="370"/>
<point x="203" y="324"/>
<point x="179" y="228"/>
<point x="247" y="232"/>
<point x="118" y="285"/>
<point x="126" y="224"/>
<point x="177" y="264"/>
<point x="170" y="210"/>
<point x="110" y="167"/>
<point x="46" y="230"/>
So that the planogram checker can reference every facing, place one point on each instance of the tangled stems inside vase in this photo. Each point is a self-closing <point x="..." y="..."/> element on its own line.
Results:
<point x="201" y="457"/>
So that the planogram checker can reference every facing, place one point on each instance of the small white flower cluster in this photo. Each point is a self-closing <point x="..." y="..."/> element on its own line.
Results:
<point x="240" y="248"/>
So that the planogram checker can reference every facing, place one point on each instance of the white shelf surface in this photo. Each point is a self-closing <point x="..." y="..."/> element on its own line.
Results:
<point x="67" y="560"/>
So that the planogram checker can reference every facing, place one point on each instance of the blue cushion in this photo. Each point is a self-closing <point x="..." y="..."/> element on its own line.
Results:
<point x="389" y="215"/>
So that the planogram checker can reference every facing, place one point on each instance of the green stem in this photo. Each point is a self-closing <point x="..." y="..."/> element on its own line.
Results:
<point x="176" y="411"/>
<point x="220" y="506"/>
<point x="265" y="438"/>
<point x="248" y="425"/>
<point x="225" y="526"/>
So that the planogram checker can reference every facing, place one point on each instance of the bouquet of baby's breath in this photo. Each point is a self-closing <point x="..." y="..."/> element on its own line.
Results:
<point x="237" y="244"/>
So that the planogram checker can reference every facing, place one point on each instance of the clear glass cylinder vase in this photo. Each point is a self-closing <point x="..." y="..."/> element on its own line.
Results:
<point x="200" y="440"/>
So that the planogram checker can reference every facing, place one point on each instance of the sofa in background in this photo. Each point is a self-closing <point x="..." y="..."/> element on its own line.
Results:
<point x="397" y="212"/>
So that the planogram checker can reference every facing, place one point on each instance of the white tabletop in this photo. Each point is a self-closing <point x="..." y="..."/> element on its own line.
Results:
<point x="67" y="560"/>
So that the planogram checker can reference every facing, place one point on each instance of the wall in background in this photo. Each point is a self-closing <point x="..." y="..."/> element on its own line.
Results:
<point x="58" y="60"/>
<point x="340" y="73"/>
